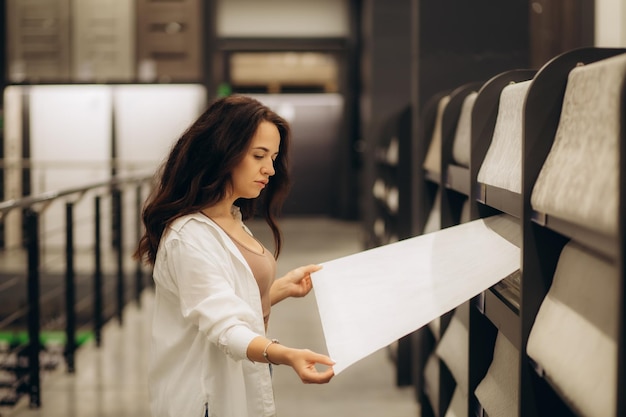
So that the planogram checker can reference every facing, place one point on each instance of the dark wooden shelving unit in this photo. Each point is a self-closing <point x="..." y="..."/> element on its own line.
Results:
<point x="449" y="214"/>
<point x="510" y="307"/>
<point x="496" y="309"/>
<point x="545" y="236"/>
<point x="393" y="211"/>
<point x="429" y="181"/>
<point x="422" y="341"/>
<point x="392" y="179"/>
<point x="485" y="112"/>
<point x="452" y="198"/>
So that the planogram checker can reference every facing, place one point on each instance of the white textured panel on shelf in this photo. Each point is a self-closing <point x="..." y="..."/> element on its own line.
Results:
<point x="379" y="189"/>
<point x="433" y="223"/>
<point x="498" y="392"/>
<point x="502" y="166"/>
<point x="435" y="328"/>
<point x="453" y="350"/>
<point x="463" y="134"/>
<point x="465" y="211"/>
<point x="379" y="227"/>
<point x="393" y="199"/>
<point x="431" y="381"/>
<point x="393" y="151"/>
<point x="574" y="338"/>
<point x="432" y="163"/>
<point x="458" y="404"/>
<point x="579" y="179"/>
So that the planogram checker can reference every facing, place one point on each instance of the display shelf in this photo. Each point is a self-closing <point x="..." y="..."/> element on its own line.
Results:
<point x="453" y="199"/>
<point x="391" y="185"/>
<point x="427" y="186"/>
<point x="544" y="236"/>
<point x="484" y="115"/>
<point x="393" y="207"/>
<point x="481" y="344"/>
<point x="454" y="176"/>
<point x="509" y="290"/>
<point x="510" y="307"/>
<point x="449" y="214"/>
<point x="458" y="179"/>
<point x="448" y="122"/>
<point x="501" y="303"/>
<point x="432" y="177"/>
<point x="606" y="245"/>
<point x="498" y="308"/>
<point x="502" y="315"/>
<point x="442" y="383"/>
<point x="500" y="199"/>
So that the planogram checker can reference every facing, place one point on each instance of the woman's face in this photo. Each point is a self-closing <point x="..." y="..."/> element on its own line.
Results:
<point x="252" y="174"/>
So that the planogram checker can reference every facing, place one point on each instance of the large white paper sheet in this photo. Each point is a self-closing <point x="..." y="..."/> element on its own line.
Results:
<point x="370" y="299"/>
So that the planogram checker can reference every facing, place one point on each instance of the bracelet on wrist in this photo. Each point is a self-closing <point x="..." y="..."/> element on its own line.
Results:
<point x="272" y="341"/>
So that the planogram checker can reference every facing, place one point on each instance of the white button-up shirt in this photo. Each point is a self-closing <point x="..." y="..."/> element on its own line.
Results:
<point x="207" y="310"/>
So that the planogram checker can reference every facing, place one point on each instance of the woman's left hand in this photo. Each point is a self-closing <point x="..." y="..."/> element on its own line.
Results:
<point x="298" y="281"/>
<point x="295" y="283"/>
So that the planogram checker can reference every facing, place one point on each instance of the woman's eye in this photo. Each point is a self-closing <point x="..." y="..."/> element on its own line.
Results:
<point x="258" y="156"/>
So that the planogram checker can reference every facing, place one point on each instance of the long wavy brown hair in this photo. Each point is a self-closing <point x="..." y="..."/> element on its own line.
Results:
<point x="197" y="172"/>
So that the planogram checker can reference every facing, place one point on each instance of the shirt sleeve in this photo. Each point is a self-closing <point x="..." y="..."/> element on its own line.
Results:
<point x="208" y="299"/>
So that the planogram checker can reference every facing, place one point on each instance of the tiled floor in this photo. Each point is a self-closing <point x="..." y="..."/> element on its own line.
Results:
<point x="111" y="381"/>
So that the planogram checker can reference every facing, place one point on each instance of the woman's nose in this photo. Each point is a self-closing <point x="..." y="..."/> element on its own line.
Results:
<point x="269" y="169"/>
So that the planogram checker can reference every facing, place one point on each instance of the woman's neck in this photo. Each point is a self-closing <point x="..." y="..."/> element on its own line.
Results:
<point x="222" y="210"/>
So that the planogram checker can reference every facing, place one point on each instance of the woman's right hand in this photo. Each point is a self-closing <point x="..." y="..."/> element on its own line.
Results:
<point x="303" y="361"/>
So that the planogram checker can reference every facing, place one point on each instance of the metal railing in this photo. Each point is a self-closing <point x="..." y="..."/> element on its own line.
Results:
<point x="27" y="367"/>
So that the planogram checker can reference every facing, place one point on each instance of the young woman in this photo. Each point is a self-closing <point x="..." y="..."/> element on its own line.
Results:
<point x="214" y="281"/>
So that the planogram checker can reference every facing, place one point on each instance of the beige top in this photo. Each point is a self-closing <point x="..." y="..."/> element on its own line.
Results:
<point x="263" y="266"/>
